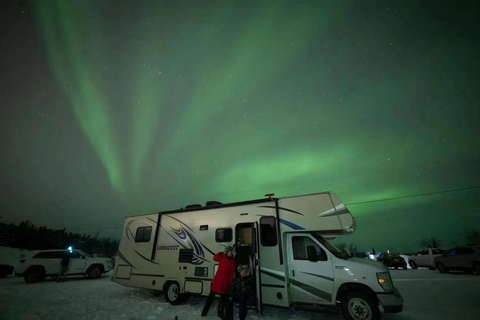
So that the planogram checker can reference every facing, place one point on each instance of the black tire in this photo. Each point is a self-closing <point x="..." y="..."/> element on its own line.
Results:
<point x="360" y="305"/>
<point x="94" y="272"/>
<point x="34" y="275"/>
<point x="413" y="265"/>
<point x="477" y="268"/>
<point x="441" y="267"/>
<point x="431" y="268"/>
<point x="172" y="293"/>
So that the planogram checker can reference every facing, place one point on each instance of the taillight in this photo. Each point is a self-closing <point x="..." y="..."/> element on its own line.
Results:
<point x="23" y="260"/>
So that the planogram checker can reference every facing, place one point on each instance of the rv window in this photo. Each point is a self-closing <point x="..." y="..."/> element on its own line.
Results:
<point x="300" y="244"/>
<point x="268" y="231"/>
<point x="224" y="235"/>
<point x="143" y="234"/>
<point x="204" y="227"/>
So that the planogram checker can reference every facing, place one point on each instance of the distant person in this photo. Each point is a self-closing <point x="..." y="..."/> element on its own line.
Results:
<point x="222" y="280"/>
<point x="64" y="267"/>
<point x="240" y="290"/>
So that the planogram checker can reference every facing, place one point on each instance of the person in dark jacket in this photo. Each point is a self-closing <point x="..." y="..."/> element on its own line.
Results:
<point x="222" y="280"/>
<point x="64" y="267"/>
<point x="240" y="290"/>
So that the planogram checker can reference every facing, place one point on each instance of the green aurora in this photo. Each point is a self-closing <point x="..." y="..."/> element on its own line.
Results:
<point x="172" y="103"/>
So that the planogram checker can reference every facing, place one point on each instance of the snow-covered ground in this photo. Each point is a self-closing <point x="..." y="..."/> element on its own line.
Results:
<point x="427" y="294"/>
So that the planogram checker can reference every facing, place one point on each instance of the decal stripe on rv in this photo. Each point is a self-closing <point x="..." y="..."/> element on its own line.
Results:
<point x="286" y="222"/>
<point x="145" y="257"/>
<point x="291" y="225"/>
<point x="281" y="208"/>
<point x="317" y="275"/>
<point x="148" y="275"/>
<point x="125" y="259"/>
<point x="273" y="275"/>
<point x="312" y="290"/>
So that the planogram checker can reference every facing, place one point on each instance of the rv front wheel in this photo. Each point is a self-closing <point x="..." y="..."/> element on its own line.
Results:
<point x="172" y="292"/>
<point x="359" y="305"/>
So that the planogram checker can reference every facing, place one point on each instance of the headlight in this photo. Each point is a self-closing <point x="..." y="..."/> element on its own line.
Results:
<point x="385" y="281"/>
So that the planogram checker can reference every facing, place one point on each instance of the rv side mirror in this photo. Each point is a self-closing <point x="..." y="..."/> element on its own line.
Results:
<point x="312" y="253"/>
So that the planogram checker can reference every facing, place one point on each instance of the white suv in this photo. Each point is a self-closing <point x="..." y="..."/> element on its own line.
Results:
<point x="46" y="263"/>
<point x="425" y="258"/>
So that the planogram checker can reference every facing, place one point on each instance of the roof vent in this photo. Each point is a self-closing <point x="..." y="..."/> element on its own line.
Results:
<point x="193" y="206"/>
<point x="213" y="203"/>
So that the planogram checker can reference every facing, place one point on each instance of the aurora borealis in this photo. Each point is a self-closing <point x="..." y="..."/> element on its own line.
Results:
<point x="116" y="108"/>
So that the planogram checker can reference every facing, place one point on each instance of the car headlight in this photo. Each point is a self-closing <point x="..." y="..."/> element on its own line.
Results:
<point x="385" y="281"/>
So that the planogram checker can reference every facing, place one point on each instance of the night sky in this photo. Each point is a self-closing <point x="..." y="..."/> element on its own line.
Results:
<point x="117" y="108"/>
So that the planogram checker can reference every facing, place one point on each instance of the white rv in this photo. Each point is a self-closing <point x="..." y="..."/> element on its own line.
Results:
<point x="282" y="239"/>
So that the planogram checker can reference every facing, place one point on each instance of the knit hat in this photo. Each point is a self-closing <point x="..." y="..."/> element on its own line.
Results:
<point x="243" y="267"/>
<point x="228" y="248"/>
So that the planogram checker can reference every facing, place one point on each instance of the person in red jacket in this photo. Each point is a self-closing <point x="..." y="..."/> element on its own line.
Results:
<point x="222" y="280"/>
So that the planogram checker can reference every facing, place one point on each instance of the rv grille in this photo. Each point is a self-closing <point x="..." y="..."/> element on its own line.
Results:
<point x="185" y="255"/>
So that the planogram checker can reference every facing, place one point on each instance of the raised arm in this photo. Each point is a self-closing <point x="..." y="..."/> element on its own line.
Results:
<point x="217" y="257"/>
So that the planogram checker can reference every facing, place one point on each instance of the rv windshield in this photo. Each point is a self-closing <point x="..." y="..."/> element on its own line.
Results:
<point x="337" y="253"/>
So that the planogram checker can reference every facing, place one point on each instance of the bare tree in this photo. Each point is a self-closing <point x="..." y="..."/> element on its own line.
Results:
<point x="430" y="243"/>
<point x="342" y="246"/>
<point x="353" y="249"/>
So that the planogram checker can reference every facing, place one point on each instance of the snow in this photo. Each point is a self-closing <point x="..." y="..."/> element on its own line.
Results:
<point x="427" y="295"/>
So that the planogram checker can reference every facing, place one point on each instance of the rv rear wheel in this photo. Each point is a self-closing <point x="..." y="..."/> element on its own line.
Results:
<point x="359" y="305"/>
<point x="172" y="292"/>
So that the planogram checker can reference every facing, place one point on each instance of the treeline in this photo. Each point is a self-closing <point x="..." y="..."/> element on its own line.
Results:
<point x="30" y="237"/>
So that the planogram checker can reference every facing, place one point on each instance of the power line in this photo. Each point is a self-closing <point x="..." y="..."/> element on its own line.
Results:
<point x="413" y="196"/>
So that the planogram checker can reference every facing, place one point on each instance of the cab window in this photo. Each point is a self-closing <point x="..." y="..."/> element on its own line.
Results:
<point x="300" y="245"/>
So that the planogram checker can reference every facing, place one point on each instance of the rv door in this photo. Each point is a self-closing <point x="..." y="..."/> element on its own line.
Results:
<point x="256" y="267"/>
<point x="311" y="270"/>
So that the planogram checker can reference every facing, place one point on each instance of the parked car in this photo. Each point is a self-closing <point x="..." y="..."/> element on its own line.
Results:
<point x="5" y="270"/>
<point x="425" y="258"/>
<point x="462" y="258"/>
<point x="46" y="263"/>
<point x="392" y="260"/>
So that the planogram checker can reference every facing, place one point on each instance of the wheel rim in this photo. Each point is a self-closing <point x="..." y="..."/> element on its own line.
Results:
<point x="34" y="275"/>
<point x="95" y="272"/>
<point x="173" y="292"/>
<point x="359" y="309"/>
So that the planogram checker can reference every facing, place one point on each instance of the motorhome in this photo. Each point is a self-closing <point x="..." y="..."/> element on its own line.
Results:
<point x="283" y="240"/>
